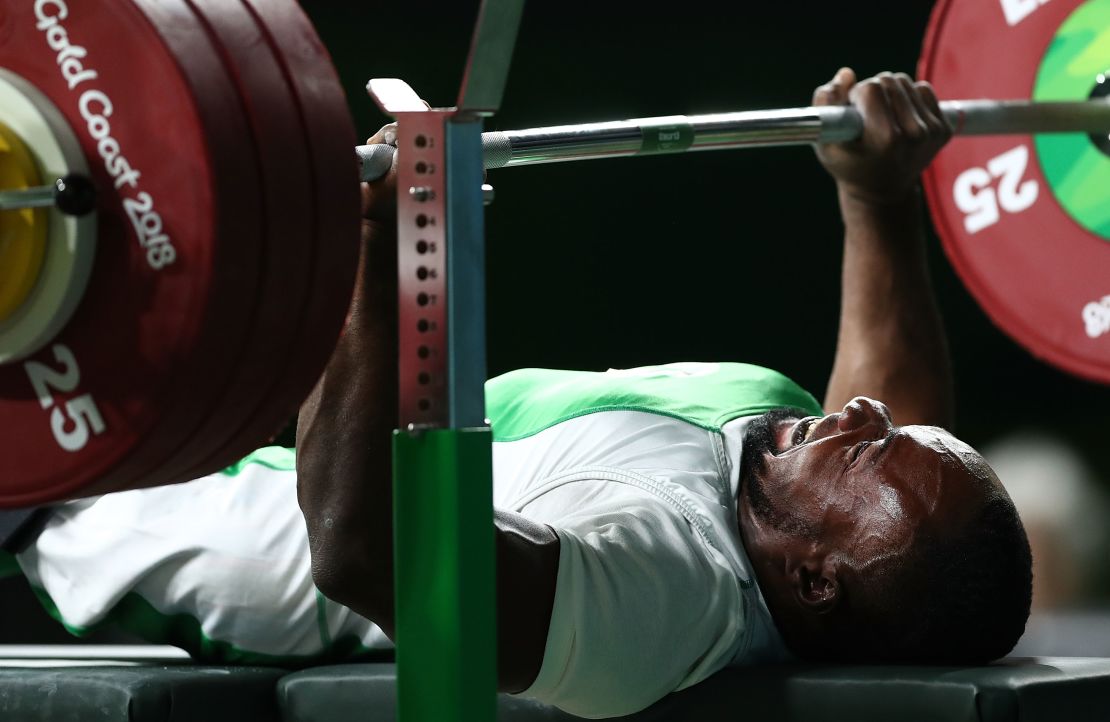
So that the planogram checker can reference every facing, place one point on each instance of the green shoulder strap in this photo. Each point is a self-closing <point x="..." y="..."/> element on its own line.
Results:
<point x="525" y="402"/>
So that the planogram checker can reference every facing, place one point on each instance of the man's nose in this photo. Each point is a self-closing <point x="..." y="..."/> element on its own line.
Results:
<point x="861" y="411"/>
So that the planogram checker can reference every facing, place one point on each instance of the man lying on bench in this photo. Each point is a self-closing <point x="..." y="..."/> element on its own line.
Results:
<point x="653" y="525"/>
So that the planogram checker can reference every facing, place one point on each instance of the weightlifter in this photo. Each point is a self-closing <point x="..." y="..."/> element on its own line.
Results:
<point x="653" y="525"/>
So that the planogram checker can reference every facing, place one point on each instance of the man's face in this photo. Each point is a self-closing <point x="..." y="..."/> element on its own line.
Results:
<point x="853" y="482"/>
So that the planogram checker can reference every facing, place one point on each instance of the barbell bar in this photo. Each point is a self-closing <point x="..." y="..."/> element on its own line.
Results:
<point x="750" y="129"/>
<point x="680" y="133"/>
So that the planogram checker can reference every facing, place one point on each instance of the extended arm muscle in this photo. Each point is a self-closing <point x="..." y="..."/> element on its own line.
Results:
<point x="891" y="345"/>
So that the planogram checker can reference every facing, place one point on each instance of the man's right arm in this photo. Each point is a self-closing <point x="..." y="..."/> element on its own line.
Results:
<point x="891" y="344"/>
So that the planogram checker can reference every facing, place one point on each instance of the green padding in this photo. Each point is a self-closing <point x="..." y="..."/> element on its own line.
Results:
<point x="138" y="694"/>
<point x="1044" y="689"/>
<point x="444" y="570"/>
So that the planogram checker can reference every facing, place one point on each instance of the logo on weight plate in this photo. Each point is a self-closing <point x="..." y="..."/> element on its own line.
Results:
<point x="97" y="109"/>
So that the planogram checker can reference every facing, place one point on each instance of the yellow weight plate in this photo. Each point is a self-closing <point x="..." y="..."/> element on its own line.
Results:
<point x="22" y="232"/>
<point x="70" y="243"/>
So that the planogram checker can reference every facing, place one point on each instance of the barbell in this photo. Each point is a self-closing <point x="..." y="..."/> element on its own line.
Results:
<point x="179" y="325"/>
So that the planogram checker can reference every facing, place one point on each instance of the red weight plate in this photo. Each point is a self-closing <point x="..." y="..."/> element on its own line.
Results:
<point x="330" y="140"/>
<point x="331" y="137"/>
<point x="129" y="368"/>
<point x="288" y="211"/>
<point x="1028" y="263"/>
<point x="239" y="244"/>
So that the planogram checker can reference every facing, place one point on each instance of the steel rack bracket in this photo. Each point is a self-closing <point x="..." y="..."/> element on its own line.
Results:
<point x="444" y="563"/>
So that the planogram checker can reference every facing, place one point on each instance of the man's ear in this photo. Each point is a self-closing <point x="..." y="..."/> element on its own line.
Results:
<point x="816" y="585"/>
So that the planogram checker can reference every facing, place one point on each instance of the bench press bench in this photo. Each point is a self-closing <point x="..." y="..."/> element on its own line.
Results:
<point x="1028" y="689"/>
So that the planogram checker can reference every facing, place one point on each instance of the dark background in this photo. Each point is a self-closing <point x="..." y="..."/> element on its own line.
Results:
<point x="714" y="256"/>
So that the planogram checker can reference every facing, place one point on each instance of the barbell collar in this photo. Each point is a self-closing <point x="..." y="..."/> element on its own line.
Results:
<point x="749" y="129"/>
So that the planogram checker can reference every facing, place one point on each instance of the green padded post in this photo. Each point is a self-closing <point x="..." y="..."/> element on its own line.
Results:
<point x="444" y="555"/>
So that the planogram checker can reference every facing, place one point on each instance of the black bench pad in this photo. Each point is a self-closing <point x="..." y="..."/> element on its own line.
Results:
<point x="1025" y="689"/>
<point x="1028" y="690"/>
<point x="138" y="694"/>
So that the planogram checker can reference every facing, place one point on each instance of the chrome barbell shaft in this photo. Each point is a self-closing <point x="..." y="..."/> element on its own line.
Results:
<point x="34" y="197"/>
<point x="747" y="129"/>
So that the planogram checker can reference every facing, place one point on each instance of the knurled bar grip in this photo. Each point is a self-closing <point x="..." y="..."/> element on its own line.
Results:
<point x="797" y="126"/>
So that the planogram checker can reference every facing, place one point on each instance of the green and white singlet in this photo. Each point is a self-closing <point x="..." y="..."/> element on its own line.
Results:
<point x="636" y="470"/>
